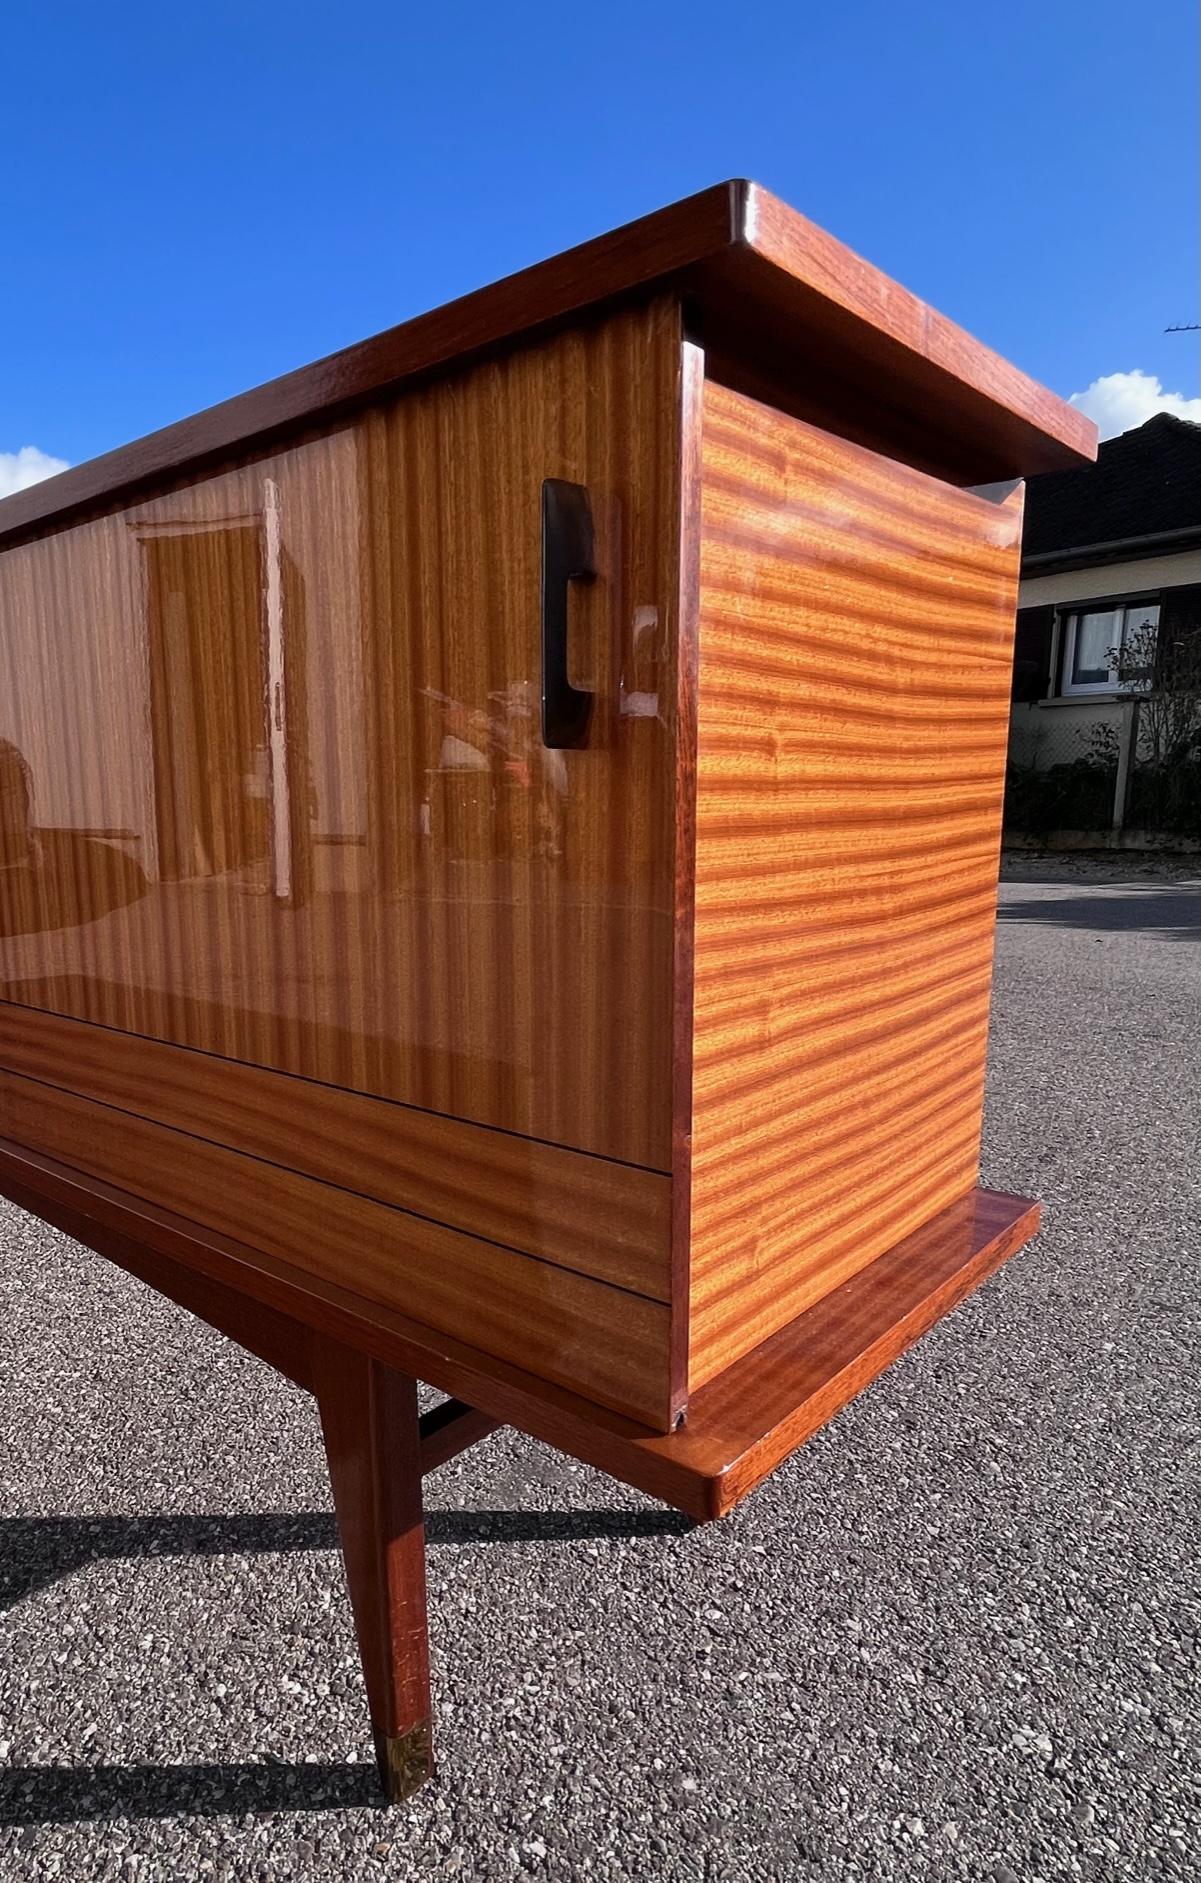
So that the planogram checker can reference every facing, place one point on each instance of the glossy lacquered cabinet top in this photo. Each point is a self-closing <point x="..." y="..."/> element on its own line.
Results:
<point x="272" y="780"/>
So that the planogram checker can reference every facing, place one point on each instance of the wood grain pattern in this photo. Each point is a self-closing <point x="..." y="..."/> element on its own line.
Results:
<point x="254" y="1297"/>
<point x="279" y="789"/>
<point x="604" y="1342"/>
<point x="739" y="1426"/>
<point x="793" y="289"/>
<point x="611" y="1221"/>
<point x="856" y="631"/>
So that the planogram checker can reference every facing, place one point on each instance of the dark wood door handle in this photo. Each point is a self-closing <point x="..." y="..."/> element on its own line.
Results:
<point x="567" y="557"/>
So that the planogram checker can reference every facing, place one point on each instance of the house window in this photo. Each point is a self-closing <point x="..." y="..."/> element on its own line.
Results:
<point x="1093" y="639"/>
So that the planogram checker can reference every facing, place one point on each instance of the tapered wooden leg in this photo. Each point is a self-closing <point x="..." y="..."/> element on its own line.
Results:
<point x="370" y="1424"/>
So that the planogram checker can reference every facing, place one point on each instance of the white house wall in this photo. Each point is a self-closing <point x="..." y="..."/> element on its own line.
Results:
<point x="1110" y="578"/>
<point x="1058" y="731"/>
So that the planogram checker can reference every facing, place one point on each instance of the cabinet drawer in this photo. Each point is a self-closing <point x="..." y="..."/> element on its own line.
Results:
<point x="605" y="1342"/>
<point x="609" y="1221"/>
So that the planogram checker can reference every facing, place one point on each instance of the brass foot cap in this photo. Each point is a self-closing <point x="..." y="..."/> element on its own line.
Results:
<point x="405" y="1760"/>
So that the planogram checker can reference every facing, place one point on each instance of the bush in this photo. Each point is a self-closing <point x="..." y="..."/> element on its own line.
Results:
<point x="1075" y="796"/>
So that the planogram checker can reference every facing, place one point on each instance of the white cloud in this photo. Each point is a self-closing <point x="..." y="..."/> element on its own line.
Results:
<point x="1120" y="401"/>
<point x="20" y="469"/>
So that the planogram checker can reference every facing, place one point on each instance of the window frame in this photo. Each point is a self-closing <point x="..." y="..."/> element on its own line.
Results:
<point x="1066" y="621"/>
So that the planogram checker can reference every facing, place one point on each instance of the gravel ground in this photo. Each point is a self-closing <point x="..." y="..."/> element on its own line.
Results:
<point x="957" y="1636"/>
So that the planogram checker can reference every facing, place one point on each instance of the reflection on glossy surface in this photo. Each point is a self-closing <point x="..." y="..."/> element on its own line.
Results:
<point x="271" y="775"/>
<point x="51" y="878"/>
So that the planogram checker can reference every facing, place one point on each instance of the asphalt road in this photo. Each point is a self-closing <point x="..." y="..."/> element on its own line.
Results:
<point x="958" y="1636"/>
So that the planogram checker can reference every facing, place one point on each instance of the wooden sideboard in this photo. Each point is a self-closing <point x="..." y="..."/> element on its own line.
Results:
<point x="498" y="850"/>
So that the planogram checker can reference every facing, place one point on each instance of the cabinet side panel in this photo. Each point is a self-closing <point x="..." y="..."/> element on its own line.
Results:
<point x="855" y="652"/>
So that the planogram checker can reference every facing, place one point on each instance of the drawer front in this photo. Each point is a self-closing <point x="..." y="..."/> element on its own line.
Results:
<point x="606" y="1342"/>
<point x="609" y="1221"/>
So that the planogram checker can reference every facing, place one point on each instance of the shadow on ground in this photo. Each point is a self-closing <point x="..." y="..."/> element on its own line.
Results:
<point x="64" y="1794"/>
<point x="36" y="1551"/>
<point x="1170" y="914"/>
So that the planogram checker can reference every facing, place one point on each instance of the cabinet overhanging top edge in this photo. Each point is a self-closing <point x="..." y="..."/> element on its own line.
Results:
<point x="793" y="286"/>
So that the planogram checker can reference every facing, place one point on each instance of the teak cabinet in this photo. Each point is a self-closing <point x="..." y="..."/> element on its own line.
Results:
<point x="498" y="845"/>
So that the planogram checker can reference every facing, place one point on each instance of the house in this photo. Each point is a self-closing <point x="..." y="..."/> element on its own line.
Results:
<point x="1111" y="583"/>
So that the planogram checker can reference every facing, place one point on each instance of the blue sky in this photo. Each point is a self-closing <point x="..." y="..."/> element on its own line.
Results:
<point x="197" y="198"/>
